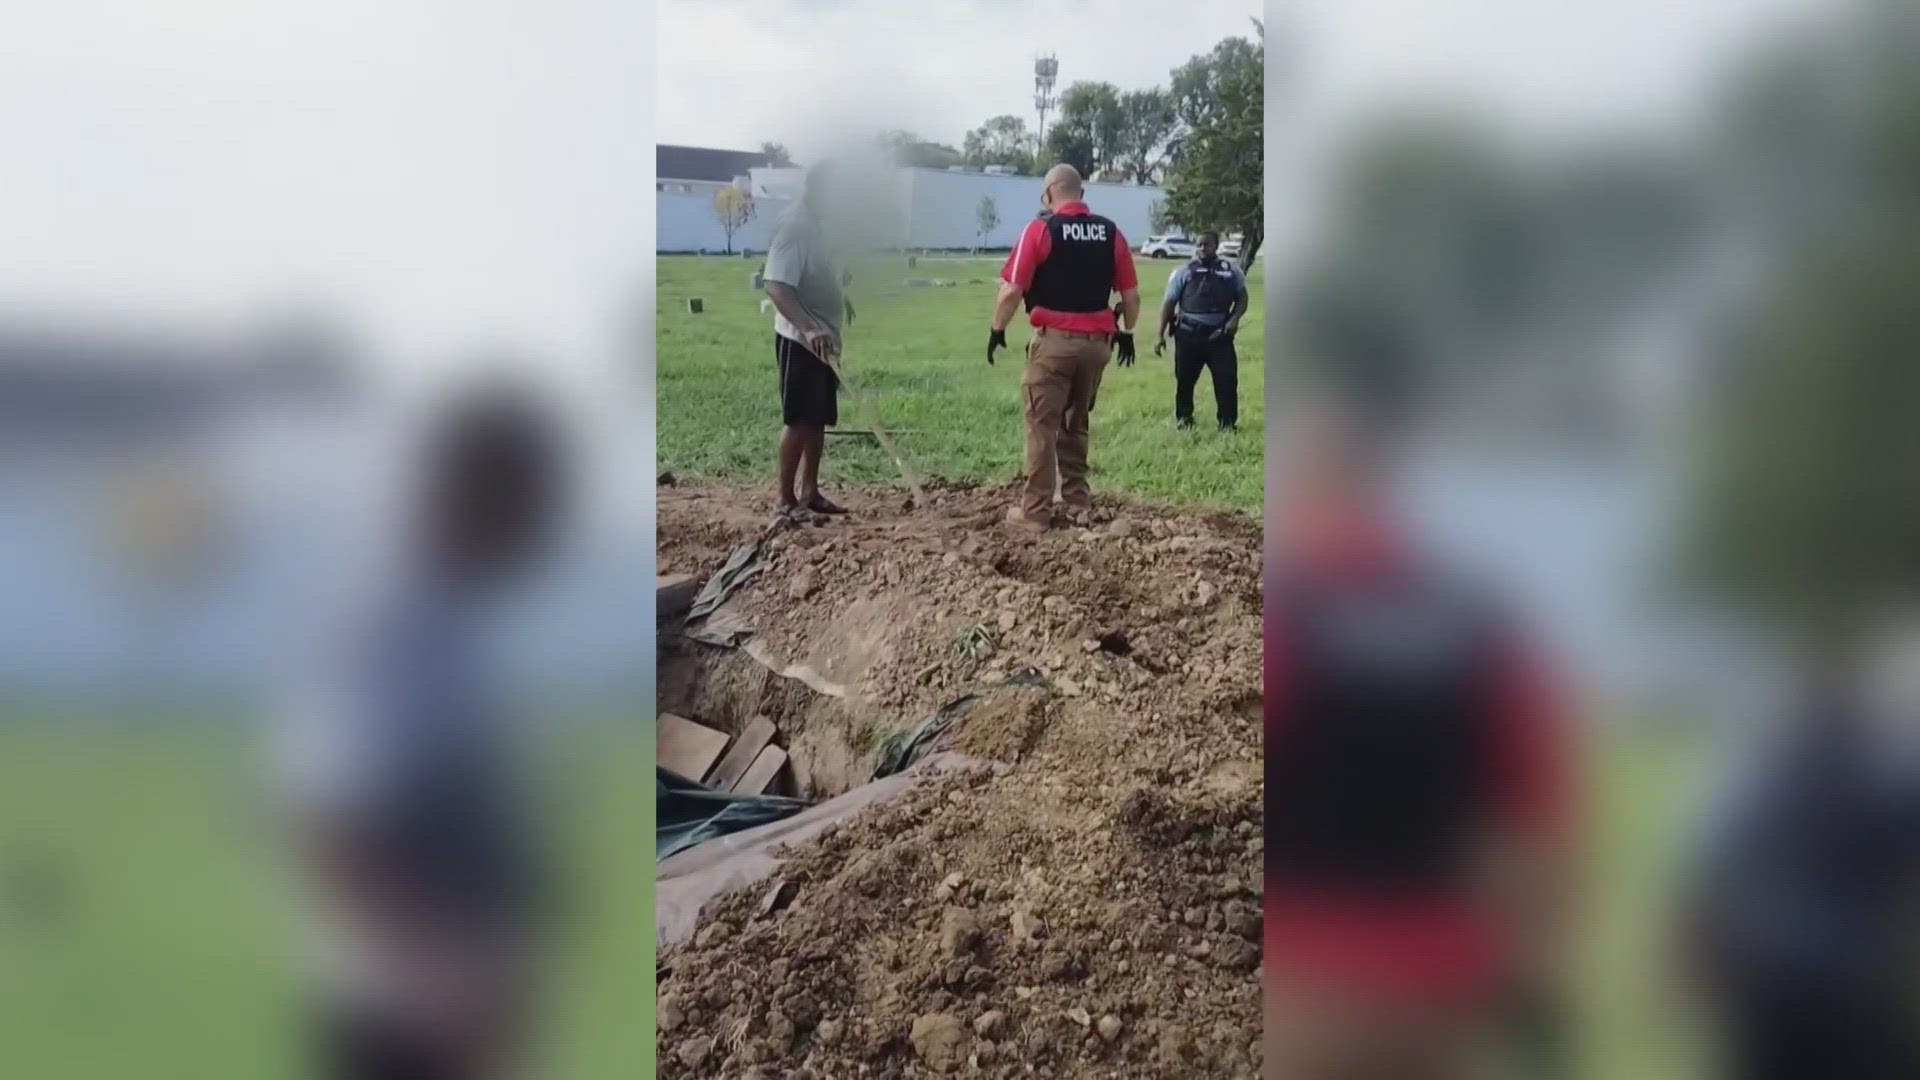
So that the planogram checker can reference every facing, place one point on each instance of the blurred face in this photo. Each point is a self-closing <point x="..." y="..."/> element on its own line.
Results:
<point x="820" y="190"/>
<point x="1208" y="247"/>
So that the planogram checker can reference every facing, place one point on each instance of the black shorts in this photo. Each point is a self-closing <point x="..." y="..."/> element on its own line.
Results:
<point x="809" y="390"/>
<point x="368" y="1044"/>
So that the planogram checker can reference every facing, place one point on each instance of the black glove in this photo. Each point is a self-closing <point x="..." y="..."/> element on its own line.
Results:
<point x="1160" y="347"/>
<point x="995" y="340"/>
<point x="1124" y="341"/>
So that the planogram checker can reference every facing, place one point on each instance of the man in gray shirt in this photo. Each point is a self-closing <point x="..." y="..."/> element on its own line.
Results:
<point x="804" y="281"/>
<point x="406" y="805"/>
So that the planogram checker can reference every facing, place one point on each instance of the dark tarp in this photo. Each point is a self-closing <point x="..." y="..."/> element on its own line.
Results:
<point x="708" y="620"/>
<point x="687" y="882"/>
<point x="901" y="749"/>
<point x="689" y="812"/>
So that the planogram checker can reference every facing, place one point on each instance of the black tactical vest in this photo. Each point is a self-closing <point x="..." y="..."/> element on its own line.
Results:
<point x="1382" y="771"/>
<point x="1077" y="275"/>
<point x="1209" y="289"/>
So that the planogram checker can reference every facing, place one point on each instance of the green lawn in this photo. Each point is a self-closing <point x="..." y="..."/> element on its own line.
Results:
<point x="920" y="355"/>
<point x="166" y="953"/>
<point x="1642" y="801"/>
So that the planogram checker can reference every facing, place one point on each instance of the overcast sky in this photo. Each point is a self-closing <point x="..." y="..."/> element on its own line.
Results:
<point x="465" y="171"/>
<point x="452" y="172"/>
<point x="736" y="73"/>
<point x="1563" y="62"/>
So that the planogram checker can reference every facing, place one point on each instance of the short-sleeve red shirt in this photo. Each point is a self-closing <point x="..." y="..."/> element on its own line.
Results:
<point x="1032" y="250"/>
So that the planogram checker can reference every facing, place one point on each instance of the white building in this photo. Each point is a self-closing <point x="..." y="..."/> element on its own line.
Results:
<point x="917" y="209"/>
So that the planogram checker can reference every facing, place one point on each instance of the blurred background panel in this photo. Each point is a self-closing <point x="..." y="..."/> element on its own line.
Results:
<point x="1629" y="284"/>
<point x="250" y="250"/>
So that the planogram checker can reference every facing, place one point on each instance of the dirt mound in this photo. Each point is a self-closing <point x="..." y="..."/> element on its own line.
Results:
<point x="1092" y="908"/>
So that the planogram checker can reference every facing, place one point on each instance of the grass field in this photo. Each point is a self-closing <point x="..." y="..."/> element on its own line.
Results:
<point x="920" y="355"/>
<point x="169" y="957"/>
<point x="166" y="951"/>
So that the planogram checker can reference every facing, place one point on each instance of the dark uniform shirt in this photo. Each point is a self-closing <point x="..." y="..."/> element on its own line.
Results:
<point x="1062" y="260"/>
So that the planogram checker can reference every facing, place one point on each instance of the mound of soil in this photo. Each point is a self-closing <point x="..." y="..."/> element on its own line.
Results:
<point x="1089" y="909"/>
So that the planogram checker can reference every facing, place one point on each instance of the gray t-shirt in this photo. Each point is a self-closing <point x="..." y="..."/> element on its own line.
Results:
<point x="394" y="734"/>
<point x="800" y="258"/>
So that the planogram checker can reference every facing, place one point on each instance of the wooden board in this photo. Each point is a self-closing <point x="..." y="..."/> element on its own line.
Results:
<point x="741" y="755"/>
<point x="688" y="748"/>
<point x="760" y="774"/>
<point x="673" y="594"/>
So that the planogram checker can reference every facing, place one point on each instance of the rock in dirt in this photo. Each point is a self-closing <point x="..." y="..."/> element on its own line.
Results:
<point x="777" y="899"/>
<point x="959" y="932"/>
<point x="803" y="585"/>
<point x="1173" y="1047"/>
<point x="669" y="1015"/>
<point x="1109" y="1027"/>
<point x="1027" y="930"/>
<point x="1080" y="1016"/>
<point x="693" y="1053"/>
<point x="989" y="1024"/>
<point x="940" y="1040"/>
<point x="1243" y="919"/>
<point x="827" y="1033"/>
<point x="949" y="887"/>
<point x="1238" y="954"/>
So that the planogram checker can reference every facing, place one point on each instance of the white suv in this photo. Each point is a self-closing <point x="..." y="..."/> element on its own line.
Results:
<point x="1167" y="246"/>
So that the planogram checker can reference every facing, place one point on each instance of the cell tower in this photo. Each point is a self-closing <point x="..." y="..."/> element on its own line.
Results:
<point x="1046" y="69"/>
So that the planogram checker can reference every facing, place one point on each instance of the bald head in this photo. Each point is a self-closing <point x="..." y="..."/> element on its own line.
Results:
<point x="1063" y="183"/>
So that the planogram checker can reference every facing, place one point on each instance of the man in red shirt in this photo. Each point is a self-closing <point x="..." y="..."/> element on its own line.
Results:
<point x="1065" y="269"/>
<point x="1419" y="787"/>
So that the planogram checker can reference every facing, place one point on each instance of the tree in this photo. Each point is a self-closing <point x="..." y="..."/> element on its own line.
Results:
<point x="986" y="218"/>
<point x="1216" y="180"/>
<point x="1002" y="140"/>
<point x="906" y="149"/>
<point x="1157" y="218"/>
<point x="1070" y="145"/>
<point x="1147" y="122"/>
<point x="1492" y="256"/>
<point x="776" y="155"/>
<point x="733" y="208"/>
<point x="1207" y="89"/>
<point x="1805" y="510"/>
<point x="1089" y="132"/>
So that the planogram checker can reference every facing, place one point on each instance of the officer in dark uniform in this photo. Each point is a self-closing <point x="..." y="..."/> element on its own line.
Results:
<point x="1065" y="270"/>
<point x="1205" y="300"/>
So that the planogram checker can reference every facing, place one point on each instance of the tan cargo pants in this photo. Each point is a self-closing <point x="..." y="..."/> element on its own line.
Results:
<point x="1318" y="1033"/>
<point x="1061" y="381"/>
